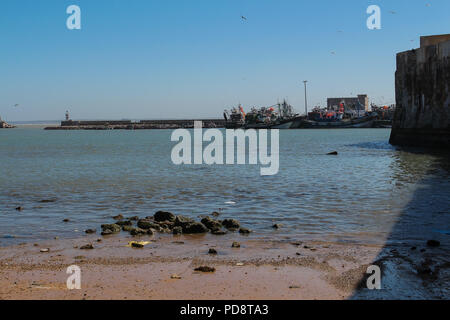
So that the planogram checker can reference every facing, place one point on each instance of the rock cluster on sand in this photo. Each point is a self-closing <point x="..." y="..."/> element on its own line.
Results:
<point x="167" y="222"/>
<point x="205" y="269"/>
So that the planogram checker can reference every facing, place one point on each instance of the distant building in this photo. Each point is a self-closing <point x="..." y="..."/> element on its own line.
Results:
<point x="360" y="102"/>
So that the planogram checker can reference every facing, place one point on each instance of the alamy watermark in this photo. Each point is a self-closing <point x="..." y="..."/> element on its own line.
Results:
<point x="74" y="20"/>
<point x="74" y="280"/>
<point x="374" y="280"/>
<point x="374" y="20"/>
<point x="213" y="153"/>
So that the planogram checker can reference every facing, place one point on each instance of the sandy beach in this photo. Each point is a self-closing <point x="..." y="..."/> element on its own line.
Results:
<point x="164" y="269"/>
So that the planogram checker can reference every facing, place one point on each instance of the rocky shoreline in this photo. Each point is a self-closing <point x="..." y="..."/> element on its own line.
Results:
<point x="168" y="256"/>
<point x="169" y="223"/>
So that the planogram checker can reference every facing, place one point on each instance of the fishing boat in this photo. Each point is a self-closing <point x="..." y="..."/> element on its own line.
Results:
<point x="361" y="122"/>
<point x="278" y="116"/>
<point x="344" y="117"/>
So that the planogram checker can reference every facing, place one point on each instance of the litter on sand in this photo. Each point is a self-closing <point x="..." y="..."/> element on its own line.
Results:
<point x="137" y="244"/>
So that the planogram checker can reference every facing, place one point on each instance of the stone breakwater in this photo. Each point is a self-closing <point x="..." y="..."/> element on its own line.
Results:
<point x="422" y="82"/>
<point x="167" y="222"/>
<point x="139" y="125"/>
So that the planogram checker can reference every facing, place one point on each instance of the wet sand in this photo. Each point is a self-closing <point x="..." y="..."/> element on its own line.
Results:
<point x="256" y="270"/>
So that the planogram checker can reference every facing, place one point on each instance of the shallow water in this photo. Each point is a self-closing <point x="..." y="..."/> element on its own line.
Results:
<point x="360" y="195"/>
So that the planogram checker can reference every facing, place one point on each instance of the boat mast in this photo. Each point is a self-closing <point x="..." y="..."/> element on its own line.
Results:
<point x="306" y="99"/>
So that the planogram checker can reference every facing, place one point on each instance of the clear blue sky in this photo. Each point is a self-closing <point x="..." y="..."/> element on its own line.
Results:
<point x="172" y="59"/>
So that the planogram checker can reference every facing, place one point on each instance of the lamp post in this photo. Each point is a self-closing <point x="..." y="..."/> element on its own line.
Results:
<point x="306" y="99"/>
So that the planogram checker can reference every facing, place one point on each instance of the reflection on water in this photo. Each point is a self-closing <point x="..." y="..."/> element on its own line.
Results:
<point x="355" y="196"/>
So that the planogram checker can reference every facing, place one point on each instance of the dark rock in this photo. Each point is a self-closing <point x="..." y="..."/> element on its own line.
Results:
<point x="413" y="248"/>
<point x="106" y="232"/>
<point x="211" y="224"/>
<point x="89" y="231"/>
<point x="124" y="223"/>
<point x="150" y="232"/>
<point x="195" y="227"/>
<point x="334" y="153"/>
<point x="215" y="214"/>
<point x="136" y="245"/>
<point x="231" y="224"/>
<point x="177" y="230"/>
<point x="424" y="270"/>
<point x="114" y="228"/>
<point x="164" y="216"/>
<point x="156" y="228"/>
<point x="87" y="247"/>
<point x="118" y="217"/>
<point x="145" y="224"/>
<point x="205" y="269"/>
<point x="66" y="220"/>
<point x="244" y="231"/>
<point x="167" y="224"/>
<point x="127" y="228"/>
<point x="218" y="232"/>
<point x="47" y="201"/>
<point x="138" y="231"/>
<point x="182" y="221"/>
<point x="19" y="208"/>
<point x="277" y="226"/>
<point x="433" y="243"/>
<point x="134" y="218"/>
<point x="236" y="245"/>
<point x="212" y="251"/>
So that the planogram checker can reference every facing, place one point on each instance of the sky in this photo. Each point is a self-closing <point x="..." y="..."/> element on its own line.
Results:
<point x="171" y="59"/>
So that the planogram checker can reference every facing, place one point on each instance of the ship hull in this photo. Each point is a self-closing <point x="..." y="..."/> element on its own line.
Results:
<point x="366" y="122"/>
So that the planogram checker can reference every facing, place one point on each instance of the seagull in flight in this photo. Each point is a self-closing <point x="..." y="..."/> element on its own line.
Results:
<point x="243" y="18"/>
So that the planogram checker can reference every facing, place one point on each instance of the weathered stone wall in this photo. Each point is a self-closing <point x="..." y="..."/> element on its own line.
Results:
<point x="422" y="81"/>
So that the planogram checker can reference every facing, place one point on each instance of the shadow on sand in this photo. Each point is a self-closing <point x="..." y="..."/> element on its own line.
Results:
<point x="410" y="268"/>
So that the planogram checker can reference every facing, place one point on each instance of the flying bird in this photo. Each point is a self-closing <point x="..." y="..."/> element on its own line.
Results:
<point x="333" y="52"/>
<point x="393" y="12"/>
<point x="243" y="18"/>
<point x="16" y="105"/>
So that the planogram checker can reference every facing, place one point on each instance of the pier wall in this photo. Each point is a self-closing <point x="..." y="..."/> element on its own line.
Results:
<point x="422" y="80"/>
<point x="135" y="125"/>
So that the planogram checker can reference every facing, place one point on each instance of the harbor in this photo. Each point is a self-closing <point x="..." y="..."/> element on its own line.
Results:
<point x="278" y="116"/>
<point x="225" y="150"/>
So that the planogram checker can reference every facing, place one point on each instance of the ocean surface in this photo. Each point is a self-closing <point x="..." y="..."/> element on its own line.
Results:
<point x="370" y="193"/>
